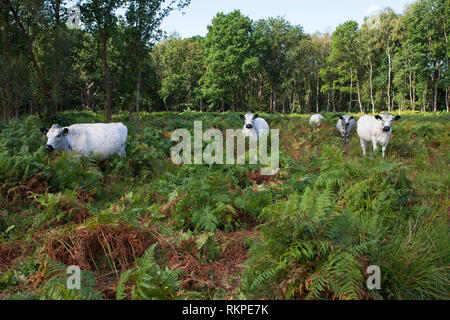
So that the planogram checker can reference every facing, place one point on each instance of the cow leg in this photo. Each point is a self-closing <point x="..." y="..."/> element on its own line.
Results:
<point x="363" y="146"/>
<point x="122" y="151"/>
<point x="385" y="146"/>
<point x="374" y="145"/>
<point x="384" y="150"/>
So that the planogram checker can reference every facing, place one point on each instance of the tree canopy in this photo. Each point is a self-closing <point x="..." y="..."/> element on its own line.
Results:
<point x="120" y="59"/>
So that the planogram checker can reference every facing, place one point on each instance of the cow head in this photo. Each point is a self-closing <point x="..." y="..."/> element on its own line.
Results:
<point x="386" y="121"/>
<point x="346" y="120"/>
<point x="56" y="137"/>
<point x="248" y="118"/>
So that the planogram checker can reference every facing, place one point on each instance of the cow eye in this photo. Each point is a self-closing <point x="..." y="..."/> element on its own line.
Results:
<point x="59" y="135"/>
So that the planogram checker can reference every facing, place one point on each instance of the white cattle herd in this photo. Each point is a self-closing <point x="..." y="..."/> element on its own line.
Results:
<point x="375" y="129"/>
<point x="103" y="140"/>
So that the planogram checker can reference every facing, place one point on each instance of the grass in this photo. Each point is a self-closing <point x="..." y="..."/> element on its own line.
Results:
<point x="141" y="227"/>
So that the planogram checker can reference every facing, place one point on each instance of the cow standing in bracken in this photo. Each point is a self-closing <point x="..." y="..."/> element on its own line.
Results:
<point x="99" y="140"/>
<point x="345" y="125"/>
<point x="316" y="119"/>
<point x="376" y="130"/>
<point x="254" y="126"/>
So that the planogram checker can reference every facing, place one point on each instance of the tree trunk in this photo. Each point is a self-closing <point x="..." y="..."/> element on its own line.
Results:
<point x="361" y="109"/>
<point x="308" y="98"/>
<point x="328" y="101"/>
<point x="55" y="81"/>
<point x="30" y="52"/>
<point x="414" y="93"/>
<point x="389" y="77"/>
<point x="270" y="102"/>
<point x="16" y="102"/>
<point x="106" y="76"/>
<point x="446" y="99"/>
<point x="410" y="90"/>
<point x="4" y="106"/>
<point x="317" y="93"/>
<point x="130" y="111"/>
<point x="351" y="89"/>
<point x="436" y="86"/>
<point x="333" y="102"/>
<point x="138" y="89"/>
<point x="7" y="84"/>
<point x="260" y="86"/>
<point x="33" y="100"/>
<point x="425" y="97"/>
<point x="371" y="85"/>
<point x="232" y="99"/>
<point x="274" y="100"/>
<point x="393" y="100"/>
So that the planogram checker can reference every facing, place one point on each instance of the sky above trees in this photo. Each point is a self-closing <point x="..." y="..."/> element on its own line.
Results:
<point x="319" y="15"/>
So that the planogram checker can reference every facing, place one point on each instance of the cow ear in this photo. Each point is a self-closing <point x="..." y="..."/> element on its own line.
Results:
<point x="242" y="116"/>
<point x="256" y="116"/>
<point x="341" y="117"/>
<point x="397" y="118"/>
<point x="65" y="132"/>
<point x="351" y="118"/>
<point x="44" y="130"/>
<point x="377" y="117"/>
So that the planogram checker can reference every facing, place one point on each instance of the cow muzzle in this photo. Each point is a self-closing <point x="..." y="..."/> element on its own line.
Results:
<point x="386" y="129"/>
<point x="249" y="126"/>
<point x="49" y="148"/>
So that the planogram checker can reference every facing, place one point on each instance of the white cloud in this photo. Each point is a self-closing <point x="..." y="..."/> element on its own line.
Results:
<point x="372" y="9"/>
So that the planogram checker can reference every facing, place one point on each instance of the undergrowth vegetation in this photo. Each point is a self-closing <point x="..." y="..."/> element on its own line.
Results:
<point x="140" y="227"/>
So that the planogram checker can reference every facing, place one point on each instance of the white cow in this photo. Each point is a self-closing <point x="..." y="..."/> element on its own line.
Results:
<point x="345" y="125"/>
<point x="254" y="125"/>
<point x="102" y="140"/>
<point x="316" y="119"/>
<point x="376" y="129"/>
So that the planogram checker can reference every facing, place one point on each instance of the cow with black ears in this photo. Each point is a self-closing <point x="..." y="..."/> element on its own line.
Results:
<point x="375" y="129"/>
<point x="345" y="125"/>
<point x="100" y="140"/>
<point x="254" y="126"/>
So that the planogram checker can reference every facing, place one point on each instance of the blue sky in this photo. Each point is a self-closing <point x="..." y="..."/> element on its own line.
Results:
<point x="312" y="15"/>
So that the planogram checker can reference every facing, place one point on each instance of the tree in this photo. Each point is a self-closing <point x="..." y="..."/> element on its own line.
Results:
<point x="27" y="14"/>
<point x="345" y="52"/>
<point x="5" y="62"/>
<point x="388" y="31"/>
<point x="100" y="20"/>
<point x="276" y="38"/>
<point x="183" y="66"/>
<point x="144" y="18"/>
<point x="371" y="50"/>
<point x="229" y="45"/>
<point x="427" y="31"/>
